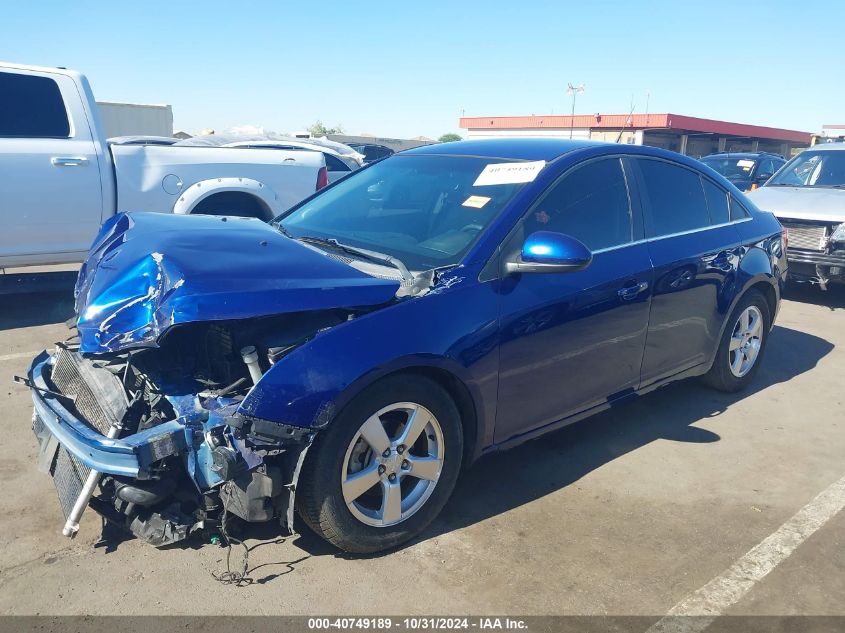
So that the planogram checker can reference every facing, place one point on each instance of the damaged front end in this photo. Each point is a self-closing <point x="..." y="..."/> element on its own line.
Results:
<point x="157" y="413"/>
<point x="153" y="439"/>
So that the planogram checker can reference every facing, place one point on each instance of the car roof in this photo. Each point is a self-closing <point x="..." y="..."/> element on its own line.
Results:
<point x="522" y="148"/>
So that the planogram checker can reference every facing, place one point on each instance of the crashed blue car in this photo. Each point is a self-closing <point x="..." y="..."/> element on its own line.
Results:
<point x="349" y="358"/>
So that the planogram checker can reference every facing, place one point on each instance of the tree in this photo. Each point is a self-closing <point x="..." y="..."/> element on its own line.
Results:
<point x="448" y="138"/>
<point x="317" y="129"/>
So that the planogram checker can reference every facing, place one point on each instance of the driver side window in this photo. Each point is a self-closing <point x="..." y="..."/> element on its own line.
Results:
<point x="590" y="203"/>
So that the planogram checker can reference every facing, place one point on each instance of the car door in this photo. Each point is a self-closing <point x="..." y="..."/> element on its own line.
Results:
<point x="571" y="341"/>
<point x="51" y="197"/>
<point x="694" y="248"/>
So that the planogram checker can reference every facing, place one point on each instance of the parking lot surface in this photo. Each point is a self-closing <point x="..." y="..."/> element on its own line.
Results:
<point x="624" y="513"/>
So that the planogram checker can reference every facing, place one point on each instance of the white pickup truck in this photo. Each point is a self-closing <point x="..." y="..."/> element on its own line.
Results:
<point x="62" y="180"/>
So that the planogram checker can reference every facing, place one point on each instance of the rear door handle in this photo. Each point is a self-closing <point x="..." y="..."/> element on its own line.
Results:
<point x="632" y="290"/>
<point x="69" y="161"/>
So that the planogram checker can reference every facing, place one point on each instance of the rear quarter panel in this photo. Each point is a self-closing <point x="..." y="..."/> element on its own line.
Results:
<point x="765" y="257"/>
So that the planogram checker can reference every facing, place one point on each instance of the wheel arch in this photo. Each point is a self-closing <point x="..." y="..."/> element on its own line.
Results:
<point x="246" y="189"/>
<point x="461" y="394"/>
<point x="766" y="284"/>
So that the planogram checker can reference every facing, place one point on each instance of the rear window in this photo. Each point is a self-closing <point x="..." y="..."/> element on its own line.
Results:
<point x="31" y="107"/>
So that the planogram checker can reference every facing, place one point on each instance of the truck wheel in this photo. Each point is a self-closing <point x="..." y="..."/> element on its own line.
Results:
<point x="383" y="469"/>
<point x="233" y="203"/>
<point x="743" y="343"/>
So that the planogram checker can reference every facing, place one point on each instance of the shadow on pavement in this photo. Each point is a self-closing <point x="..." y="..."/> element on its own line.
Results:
<point x="28" y="310"/>
<point x="832" y="298"/>
<point x="511" y="479"/>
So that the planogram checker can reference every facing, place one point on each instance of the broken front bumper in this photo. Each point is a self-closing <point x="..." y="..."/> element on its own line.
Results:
<point x="816" y="267"/>
<point x="70" y="448"/>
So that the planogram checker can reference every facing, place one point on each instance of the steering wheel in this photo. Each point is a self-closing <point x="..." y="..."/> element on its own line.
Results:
<point x="473" y="227"/>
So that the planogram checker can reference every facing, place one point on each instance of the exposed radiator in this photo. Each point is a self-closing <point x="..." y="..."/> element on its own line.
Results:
<point x="68" y="473"/>
<point x="806" y="236"/>
<point x="96" y="393"/>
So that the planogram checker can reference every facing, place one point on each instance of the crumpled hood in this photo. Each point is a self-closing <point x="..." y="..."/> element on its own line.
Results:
<point x="147" y="272"/>
<point x="801" y="203"/>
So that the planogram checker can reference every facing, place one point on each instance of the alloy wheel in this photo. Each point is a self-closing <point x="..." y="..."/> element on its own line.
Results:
<point x="746" y="341"/>
<point x="392" y="464"/>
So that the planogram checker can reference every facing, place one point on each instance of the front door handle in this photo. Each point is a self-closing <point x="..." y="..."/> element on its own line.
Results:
<point x="69" y="161"/>
<point x="631" y="290"/>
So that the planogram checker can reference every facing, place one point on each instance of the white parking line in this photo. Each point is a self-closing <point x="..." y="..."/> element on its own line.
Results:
<point x="729" y="587"/>
<point x="19" y="355"/>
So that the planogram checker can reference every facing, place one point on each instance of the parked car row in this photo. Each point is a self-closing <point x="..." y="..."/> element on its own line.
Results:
<point x="746" y="170"/>
<point x="340" y="159"/>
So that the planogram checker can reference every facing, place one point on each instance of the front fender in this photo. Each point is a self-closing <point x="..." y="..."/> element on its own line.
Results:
<point x="203" y="189"/>
<point x="451" y="331"/>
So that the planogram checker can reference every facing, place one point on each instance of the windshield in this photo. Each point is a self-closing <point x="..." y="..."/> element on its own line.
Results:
<point x="812" y="169"/>
<point x="423" y="210"/>
<point x="735" y="168"/>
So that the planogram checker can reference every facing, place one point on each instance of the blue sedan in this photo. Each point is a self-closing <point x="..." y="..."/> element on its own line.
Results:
<point x="347" y="360"/>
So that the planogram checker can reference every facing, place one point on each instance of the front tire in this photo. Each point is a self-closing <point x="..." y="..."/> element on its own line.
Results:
<point x="380" y="473"/>
<point x="742" y="345"/>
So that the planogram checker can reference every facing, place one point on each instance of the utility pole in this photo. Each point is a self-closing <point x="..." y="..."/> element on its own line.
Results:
<point x="573" y="90"/>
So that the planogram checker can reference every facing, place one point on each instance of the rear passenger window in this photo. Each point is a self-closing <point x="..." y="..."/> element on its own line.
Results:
<point x="674" y="198"/>
<point x="717" y="202"/>
<point x="590" y="204"/>
<point x="31" y="107"/>
<point x="738" y="212"/>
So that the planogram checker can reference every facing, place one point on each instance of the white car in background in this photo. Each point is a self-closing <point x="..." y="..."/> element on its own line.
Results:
<point x="62" y="179"/>
<point x="338" y="164"/>
<point x="807" y="195"/>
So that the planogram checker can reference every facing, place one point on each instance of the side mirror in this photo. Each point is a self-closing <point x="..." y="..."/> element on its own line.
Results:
<point x="548" y="252"/>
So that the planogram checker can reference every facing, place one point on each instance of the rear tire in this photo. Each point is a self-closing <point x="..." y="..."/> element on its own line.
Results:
<point x="742" y="346"/>
<point x="363" y="521"/>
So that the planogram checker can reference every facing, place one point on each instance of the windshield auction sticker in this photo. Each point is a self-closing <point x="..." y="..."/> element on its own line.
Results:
<point x="509" y="173"/>
<point x="476" y="202"/>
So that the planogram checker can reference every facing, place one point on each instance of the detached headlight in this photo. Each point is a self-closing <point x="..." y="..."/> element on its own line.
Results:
<point x="838" y="234"/>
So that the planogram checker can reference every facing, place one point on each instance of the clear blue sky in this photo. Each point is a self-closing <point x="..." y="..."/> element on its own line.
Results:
<point x="406" y="69"/>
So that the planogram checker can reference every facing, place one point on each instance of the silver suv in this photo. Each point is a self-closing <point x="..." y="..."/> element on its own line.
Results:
<point x="808" y="197"/>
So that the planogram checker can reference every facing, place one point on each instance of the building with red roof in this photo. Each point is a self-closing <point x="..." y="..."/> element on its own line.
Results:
<point x="689" y="135"/>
